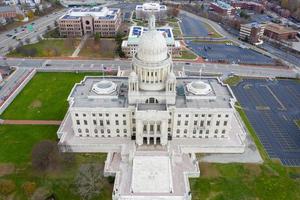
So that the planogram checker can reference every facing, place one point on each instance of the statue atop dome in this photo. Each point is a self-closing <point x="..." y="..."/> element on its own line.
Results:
<point x="151" y="23"/>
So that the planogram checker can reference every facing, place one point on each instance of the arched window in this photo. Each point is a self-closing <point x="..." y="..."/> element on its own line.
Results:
<point x="152" y="100"/>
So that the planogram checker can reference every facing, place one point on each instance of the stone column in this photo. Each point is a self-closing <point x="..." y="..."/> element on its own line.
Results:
<point x="139" y="132"/>
<point x="164" y="132"/>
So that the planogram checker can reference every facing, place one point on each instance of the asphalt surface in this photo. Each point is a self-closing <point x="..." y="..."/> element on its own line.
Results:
<point x="272" y="107"/>
<point x="39" y="28"/>
<point x="220" y="30"/>
<point x="192" y="27"/>
<point x="229" y="53"/>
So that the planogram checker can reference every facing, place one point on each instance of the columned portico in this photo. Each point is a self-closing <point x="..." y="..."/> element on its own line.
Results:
<point x="151" y="127"/>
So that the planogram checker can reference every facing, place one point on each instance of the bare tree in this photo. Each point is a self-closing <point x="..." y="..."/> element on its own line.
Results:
<point x="45" y="156"/>
<point x="89" y="181"/>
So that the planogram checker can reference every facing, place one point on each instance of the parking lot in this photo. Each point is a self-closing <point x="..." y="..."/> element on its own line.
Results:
<point x="228" y="53"/>
<point x="192" y="27"/>
<point x="272" y="107"/>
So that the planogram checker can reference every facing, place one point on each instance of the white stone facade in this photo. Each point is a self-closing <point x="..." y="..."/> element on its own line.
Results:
<point x="144" y="11"/>
<point x="130" y="46"/>
<point x="152" y="115"/>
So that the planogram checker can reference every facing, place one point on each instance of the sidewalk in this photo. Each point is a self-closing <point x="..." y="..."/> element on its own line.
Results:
<point x="31" y="122"/>
<point x="79" y="47"/>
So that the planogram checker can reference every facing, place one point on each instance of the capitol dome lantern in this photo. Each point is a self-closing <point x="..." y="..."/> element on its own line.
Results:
<point x="152" y="62"/>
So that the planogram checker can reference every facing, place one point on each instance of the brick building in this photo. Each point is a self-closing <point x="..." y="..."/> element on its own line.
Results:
<point x="80" y="21"/>
<point x="8" y="12"/>
<point x="252" y="33"/>
<point x="278" y="32"/>
<point x="222" y="8"/>
<point x="249" y="5"/>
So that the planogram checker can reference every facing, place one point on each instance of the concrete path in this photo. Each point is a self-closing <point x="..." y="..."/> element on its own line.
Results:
<point x="79" y="47"/>
<point x="31" y="122"/>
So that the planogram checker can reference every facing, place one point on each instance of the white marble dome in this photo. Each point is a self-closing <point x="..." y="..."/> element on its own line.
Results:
<point x="152" y="47"/>
<point x="199" y="88"/>
<point x="104" y="87"/>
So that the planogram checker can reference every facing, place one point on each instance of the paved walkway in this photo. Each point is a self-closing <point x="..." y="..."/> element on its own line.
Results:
<point x="79" y="47"/>
<point x="31" y="122"/>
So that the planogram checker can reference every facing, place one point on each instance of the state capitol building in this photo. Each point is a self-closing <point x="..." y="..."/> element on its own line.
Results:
<point x="152" y="123"/>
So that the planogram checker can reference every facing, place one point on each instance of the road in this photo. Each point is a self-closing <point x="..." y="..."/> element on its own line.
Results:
<point x="92" y="65"/>
<point x="227" y="35"/>
<point x="39" y="28"/>
<point x="24" y="66"/>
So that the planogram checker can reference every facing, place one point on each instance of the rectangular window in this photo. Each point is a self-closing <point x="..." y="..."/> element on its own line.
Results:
<point x="101" y="122"/>
<point x="225" y="123"/>
<point x="107" y="122"/>
<point x="195" y="123"/>
<point x="77" y="122"/>
<point x="124" y="122"/>
<point x="94" y="122"/>
<point x="208" y="123"/>
<point x="217" y="123"/>
<point x="117" y="122"/>
<point x="85" y="122"/>
<point x="186" y="123"/>
<point x="178" y="123"/>
<point x="202" y="123"/>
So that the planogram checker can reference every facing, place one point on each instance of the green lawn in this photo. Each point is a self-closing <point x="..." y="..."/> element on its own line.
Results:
<point x="16" y="145"/>
<point x="234" y="181"/>
<point x="16" y="141"/>
<point x="53" y="34"/>
<point x="44" y="97"/>
<point x="46" y="48"/>
<point x="187" y="55"/>
<point x="213" y="41"/>
<point x="297" y="123"/>
<point x="177" y="32"/>
<point x="233" y="80"/>
<point x="269" y="181"/>
<point x="211" y="30"/>
<point x="105" y="48"/>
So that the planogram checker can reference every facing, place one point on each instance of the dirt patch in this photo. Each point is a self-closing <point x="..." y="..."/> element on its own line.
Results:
<point x="6" y="169"/>
<point x="36" y="104"/>
<point x="253" y="169"/>
<point x="208" y="170"/>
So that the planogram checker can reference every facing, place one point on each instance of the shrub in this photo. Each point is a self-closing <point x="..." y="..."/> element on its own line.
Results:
<point x="7" y="187"/>
<point x="29" y="188"/>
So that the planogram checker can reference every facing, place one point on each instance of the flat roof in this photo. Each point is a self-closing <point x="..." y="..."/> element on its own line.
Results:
<point x="83" y="96"/>
<point x="223" y="5"/>
<point x="136" y="31"/>
<point x="151" y="174"/>
<point x="96" y="12"/>
<point x="7" y="9"/>
<point x="276" y="28"/>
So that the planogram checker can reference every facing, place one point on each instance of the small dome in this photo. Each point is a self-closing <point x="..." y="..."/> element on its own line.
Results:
<point x="133" y="76"/>
<point x="104" y="87"/>
<point x="171" y="76"/>
<point x="199" y="88"/>
<point x="152" y="47"/>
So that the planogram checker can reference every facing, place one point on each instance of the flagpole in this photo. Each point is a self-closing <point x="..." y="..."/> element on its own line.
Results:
<point x="103" y="72"/>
